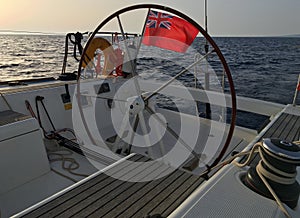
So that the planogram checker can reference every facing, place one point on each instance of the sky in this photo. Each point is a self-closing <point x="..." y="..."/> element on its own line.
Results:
<point x="225" y="17"/>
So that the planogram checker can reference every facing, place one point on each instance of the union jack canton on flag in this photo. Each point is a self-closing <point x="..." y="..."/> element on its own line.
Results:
<point x="168" y="32"/>
<point x="157" y="19"/>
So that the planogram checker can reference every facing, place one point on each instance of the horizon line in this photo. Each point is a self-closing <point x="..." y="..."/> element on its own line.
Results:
<point x="26" y="32"/>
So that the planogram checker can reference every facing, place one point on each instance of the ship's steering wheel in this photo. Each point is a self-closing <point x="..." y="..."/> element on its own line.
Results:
<point x="212" y="79"/>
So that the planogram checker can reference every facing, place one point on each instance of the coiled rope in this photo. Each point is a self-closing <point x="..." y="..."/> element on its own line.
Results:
<point x="68" y="164"/>
<point x="263" y="173"/>
<point x="278" y="175"/>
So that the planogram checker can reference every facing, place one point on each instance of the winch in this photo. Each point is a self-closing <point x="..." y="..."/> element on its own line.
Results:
<point x="279" y="160"/>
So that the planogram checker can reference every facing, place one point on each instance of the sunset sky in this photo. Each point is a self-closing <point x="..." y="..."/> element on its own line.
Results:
<point x="226" y="17"/>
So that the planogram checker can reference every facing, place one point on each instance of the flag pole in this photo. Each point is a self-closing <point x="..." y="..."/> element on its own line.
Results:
<point x="205" y="23"/>
<point x="206" y="75"/>
<point x="206" y="17"/>
<point x="145" y="24"/>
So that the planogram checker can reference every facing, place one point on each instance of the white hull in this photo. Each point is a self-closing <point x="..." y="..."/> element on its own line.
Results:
<point x="30" y="182"/>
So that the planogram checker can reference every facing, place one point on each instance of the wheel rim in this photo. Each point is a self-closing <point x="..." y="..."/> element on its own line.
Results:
<point x="134" y="123"/>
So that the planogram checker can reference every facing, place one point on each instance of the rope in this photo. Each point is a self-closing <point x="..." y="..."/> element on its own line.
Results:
<point x="283" y="178"/>
<point x="278" y="201"/>
<point x="68" y="164"/>
<point x="77" y="45"/>
<point x="262" y="172"/>
<point x="73" y="164"/>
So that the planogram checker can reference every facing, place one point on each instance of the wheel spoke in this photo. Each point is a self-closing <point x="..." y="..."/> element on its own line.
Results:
<point x="124" y="124"/>
<point x="146" y="136"/>
<point x="131" y="133"/>
<point x="179" y="74"/>
<point x="160" y="141"/>
<point x="172" y="132"/>
<point x="133" y="66"/>
<point x="137" y="124"/>
<point x="104" y="98"/>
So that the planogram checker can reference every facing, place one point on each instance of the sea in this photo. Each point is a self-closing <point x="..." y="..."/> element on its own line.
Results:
<point x="265" y="68"/>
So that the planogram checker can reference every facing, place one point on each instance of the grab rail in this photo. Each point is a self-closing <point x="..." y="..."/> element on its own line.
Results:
<point x="6" y="102"/>
<point x="296" y="91"/>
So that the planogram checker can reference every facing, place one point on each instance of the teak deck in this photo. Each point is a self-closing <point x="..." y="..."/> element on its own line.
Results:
<point x="105" y="196"/>
<point x="286" y="127"/>
<point x="9" y="116"/>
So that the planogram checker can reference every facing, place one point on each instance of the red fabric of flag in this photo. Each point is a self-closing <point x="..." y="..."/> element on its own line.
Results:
<point x="169" y="32"/>
<point x="298" y="86"/>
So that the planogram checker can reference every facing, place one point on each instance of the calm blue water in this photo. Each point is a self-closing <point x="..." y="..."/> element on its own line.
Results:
<point x="262" y="68"/>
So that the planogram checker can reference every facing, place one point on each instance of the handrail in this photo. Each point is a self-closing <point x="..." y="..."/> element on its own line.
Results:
<point x="6" y="102"/>
<point x="296" y="91"/>
<point x="243" y="103"/>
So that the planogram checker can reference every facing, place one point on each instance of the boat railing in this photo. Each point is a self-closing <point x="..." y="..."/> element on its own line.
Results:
<point x="79" y="39"/>
<point x="243" y="103"/>
<point x="296" y="91"/>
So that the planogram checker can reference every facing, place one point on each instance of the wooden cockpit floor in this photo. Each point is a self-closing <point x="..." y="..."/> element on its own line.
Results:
<point x="106" y="196"/>
<point x="285" y="127"/>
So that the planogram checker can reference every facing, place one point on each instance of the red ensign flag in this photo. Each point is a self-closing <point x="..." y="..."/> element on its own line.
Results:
<point x="169" y="32"/>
